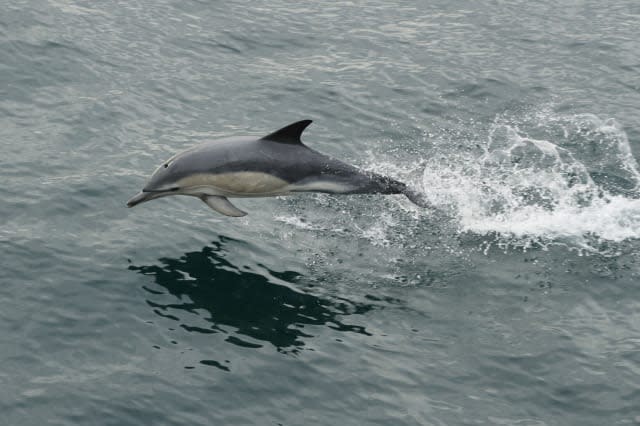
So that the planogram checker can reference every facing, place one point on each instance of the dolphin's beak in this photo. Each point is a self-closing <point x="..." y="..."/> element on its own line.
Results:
<point x="141" y="197"/>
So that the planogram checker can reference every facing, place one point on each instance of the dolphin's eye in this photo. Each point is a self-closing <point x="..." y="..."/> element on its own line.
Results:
<point x="166" y="165"/>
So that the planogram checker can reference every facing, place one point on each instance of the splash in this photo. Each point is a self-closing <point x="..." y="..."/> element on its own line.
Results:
<point x="540" y="179"/>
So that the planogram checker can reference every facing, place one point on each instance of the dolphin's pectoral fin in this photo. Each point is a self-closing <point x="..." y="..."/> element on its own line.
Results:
<point x="223" y="206"/>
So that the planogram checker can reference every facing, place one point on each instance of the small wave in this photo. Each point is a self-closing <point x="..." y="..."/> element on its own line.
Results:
<point x="527" y="180"/>
<point x="298" y="222"/>
<point x="542" y="178"/>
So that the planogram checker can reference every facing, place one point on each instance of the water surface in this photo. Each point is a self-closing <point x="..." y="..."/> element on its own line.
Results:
<point x="514" y="301"/>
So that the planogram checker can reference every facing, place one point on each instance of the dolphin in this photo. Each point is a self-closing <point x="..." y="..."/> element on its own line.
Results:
<point x="273" y="165"/>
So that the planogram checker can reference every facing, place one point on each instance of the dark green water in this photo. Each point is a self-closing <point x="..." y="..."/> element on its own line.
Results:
<point x="517" y="302"/>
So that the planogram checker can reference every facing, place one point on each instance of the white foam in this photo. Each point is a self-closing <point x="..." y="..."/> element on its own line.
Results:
<point x="530" y="179"/>
<point x="377" y="232"/>
<point x="297" y="222"/>
<point x="537" y="190"/>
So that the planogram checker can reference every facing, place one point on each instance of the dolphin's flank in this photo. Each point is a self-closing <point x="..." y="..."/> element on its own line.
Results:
<point x="276" y="164"/>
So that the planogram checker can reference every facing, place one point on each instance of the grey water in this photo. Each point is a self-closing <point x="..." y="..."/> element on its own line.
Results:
<point x="514" y="301"/>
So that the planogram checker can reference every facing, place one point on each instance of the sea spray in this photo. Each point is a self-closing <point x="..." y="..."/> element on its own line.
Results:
<point x="541" y="179"/>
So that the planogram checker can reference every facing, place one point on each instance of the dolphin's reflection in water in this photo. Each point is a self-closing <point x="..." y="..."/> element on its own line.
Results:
<point x="257" y="305"/>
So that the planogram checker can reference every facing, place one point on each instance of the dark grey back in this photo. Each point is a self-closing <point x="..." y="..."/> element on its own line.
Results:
<point x="293" y="163"/>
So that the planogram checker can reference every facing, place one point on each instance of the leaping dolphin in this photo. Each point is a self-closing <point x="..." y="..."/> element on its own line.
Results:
<point x="246" y="166"/>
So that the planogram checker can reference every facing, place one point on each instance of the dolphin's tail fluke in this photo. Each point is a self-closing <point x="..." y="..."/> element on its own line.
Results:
<point x="392" y="186"/>
<point x="416" y="197"/>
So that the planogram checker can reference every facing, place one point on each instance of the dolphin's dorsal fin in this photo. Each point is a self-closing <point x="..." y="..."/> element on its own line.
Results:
<point x="289" y="134"/>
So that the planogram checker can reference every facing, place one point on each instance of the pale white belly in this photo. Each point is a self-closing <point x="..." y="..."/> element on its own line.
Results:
<point x="234" y="184"/>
